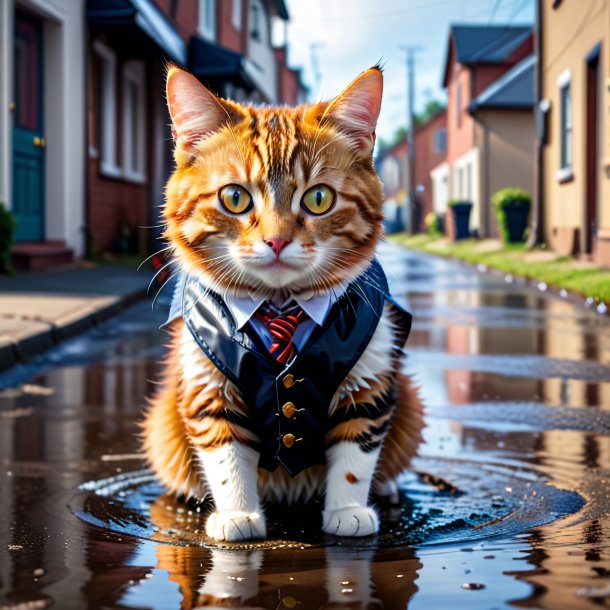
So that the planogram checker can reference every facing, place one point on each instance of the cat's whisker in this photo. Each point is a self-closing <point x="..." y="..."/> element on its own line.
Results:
<point x="170" y="247"/>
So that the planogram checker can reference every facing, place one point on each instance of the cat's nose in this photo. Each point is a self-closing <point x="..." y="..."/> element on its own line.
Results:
<point x="277" y="244"/>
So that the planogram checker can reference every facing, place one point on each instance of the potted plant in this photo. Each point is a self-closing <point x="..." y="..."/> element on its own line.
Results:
<point x="512" y="207"/>
<point x="7" y="231"/>
<point x="460" y="211"/>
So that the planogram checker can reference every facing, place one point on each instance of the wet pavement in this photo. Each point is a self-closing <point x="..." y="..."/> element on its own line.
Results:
<point x="507" y="505"/>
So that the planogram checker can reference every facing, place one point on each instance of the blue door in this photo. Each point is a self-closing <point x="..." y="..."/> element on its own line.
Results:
<point x="28" y="136"/>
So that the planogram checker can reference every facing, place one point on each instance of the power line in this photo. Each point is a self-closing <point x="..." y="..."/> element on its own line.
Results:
<point x="494" y="11"/>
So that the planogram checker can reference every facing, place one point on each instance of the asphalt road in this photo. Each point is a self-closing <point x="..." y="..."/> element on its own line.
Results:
<point x="508" y="503"/>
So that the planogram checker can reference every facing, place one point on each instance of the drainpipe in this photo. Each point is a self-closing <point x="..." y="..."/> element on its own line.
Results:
<point x="86" y="183"/>
<point x="485" y="195"/>
<point x="537" y="236"/>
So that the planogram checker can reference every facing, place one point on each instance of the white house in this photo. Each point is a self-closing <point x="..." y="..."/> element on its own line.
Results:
<point x="42" y="119"/>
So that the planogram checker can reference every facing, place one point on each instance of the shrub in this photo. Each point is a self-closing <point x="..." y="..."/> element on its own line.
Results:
<point x="7" y="231"/>
<point x="511" y="206"/>
<point x="433" y="224"/>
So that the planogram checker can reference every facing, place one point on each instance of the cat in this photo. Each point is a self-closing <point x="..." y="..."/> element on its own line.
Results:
<point x="276" y="211"/>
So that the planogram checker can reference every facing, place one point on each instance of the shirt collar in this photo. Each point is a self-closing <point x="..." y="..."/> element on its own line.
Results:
<point x="316" y="306"/>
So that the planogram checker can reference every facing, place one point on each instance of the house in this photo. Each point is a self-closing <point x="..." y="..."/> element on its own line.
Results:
<point x="504" y="133"/>
<point x="85" y="144"/>
<point x="128" y="137"/>
<point x="477" y="56"/>
<point x="42" y="122"/>
<point x="573" y="106"/>
<point x="233" y="53"/>
<point x="391" y="165"/>
<point x="430" y="148"/>
<point x="226" y="44"/>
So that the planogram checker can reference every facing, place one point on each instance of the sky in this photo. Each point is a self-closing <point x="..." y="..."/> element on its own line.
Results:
<point x="350" y="36"/>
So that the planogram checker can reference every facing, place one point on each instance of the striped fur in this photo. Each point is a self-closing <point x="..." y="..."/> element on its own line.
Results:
<point x="191" y="431"/>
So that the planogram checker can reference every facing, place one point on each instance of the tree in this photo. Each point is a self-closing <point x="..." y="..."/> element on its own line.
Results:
<point x="400" y="135"/>
<point x="432" y="108"/>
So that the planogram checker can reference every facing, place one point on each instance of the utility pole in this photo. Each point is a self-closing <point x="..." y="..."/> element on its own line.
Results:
<point x="409" y="215"/>
<point x="313" y="47"/>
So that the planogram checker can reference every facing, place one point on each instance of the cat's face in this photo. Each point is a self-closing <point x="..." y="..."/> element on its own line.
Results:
<point x="274" y="197"/>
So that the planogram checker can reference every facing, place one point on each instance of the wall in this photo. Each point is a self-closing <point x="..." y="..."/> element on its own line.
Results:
<point x="426" y="158"/>
<point x="569" y="33"/>
<point x="186" y="16"/>
<point x="460" y="139"/>
<point x="506" y="141"/>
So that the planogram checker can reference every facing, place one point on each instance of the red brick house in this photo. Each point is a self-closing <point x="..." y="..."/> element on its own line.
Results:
<point x="225" y="43"/>
<point x="430" y="147"/>
<point x="477" y="56"/>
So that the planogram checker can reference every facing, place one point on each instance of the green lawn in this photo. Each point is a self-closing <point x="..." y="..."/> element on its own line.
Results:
<point x="542" y="265"/>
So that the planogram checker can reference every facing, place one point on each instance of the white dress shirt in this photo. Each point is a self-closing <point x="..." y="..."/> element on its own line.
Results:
<point x="317" y="306"/>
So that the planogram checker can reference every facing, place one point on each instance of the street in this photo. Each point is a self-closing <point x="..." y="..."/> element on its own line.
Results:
<point x="507" y="504"/>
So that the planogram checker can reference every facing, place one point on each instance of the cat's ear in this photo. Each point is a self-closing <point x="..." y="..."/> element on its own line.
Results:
<point x="195" y="111"/>
<point x="356" y="109"/>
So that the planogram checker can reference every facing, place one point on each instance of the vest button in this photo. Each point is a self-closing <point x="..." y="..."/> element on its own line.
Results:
<point x="288" y="440"/>
<point x="289" y="410"/>
<point x="288" y="380"/>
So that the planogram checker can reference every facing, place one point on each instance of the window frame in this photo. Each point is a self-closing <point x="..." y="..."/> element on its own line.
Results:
<point x="208" y="17"/>
<point x="440" y="136"/>
<point x="107" y="109"/>
<point x="236" y="14"/>
<point x="133" y="74"/>
<point x="458" y="105"/>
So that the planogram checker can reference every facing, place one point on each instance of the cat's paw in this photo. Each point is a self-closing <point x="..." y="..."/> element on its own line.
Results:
<point x="235" y="525"/>
<point x="350" y="521"/>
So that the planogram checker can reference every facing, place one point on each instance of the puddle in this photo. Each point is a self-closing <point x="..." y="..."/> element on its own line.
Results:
<point x="448" y="502"/>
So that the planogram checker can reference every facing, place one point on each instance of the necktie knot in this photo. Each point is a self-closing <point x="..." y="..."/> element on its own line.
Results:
<point x="281" y="327"/>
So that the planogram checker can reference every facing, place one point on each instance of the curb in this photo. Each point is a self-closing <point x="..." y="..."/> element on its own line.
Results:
<point x="564" y="294"/>
<point x="24" y="349"/>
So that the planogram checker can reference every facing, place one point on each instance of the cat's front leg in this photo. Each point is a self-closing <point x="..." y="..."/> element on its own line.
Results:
<point x="231" y="473"/>
<point x="350" y="471"/>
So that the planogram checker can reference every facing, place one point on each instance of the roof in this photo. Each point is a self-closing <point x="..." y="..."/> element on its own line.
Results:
<point x="145" y="15"/>
<point x="481" y="44"/>
<point x="282" y="11"/>
<point x="514" y="89"/>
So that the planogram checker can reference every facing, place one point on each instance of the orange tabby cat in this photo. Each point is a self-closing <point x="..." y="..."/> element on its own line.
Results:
<point x="282" y="377"/>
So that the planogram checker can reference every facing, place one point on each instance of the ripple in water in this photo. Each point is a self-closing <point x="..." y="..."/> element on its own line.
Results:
<point x="447" y="501"/>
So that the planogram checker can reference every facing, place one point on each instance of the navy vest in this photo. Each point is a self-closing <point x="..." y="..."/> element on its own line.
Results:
<point x="289" y="403"/>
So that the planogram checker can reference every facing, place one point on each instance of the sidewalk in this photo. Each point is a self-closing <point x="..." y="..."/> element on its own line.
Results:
<point x="39" y="309"/>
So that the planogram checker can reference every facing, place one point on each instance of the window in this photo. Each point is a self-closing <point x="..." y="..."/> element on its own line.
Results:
<point x="207" y="19"/>
<point x="133" y="127"/>
<point x="458" y="105"/>
<point x="107" y="106"/>
<point x="236" y="14"/>
<point x="565" y="126"/>
<point x="440" y="140"/>
<point x="255" y="21"/>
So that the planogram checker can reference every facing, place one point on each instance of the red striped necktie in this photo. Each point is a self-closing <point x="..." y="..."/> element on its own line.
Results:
<point x="282" y="327"/>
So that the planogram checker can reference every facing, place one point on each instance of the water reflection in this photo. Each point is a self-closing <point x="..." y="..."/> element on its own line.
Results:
<point x="263" y="578"/>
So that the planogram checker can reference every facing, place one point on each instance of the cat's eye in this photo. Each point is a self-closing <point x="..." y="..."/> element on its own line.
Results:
<point x="235" y="199"/>
<point x="318" y="200"/>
